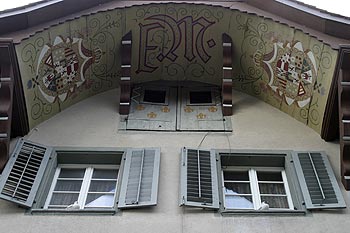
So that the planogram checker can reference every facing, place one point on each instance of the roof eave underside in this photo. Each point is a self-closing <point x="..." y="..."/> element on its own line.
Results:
<point x="265" y="10"/>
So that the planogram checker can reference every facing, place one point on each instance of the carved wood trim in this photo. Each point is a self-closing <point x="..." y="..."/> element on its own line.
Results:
<point x="227" y="75"/>
<point x="125" y="79"/>
<point x="343" y="77"/>
<point x="6" y="101"/>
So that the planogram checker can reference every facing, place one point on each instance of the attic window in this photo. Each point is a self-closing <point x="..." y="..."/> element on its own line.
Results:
<point x="200" y="97"/>
<point x="155" y="96"/>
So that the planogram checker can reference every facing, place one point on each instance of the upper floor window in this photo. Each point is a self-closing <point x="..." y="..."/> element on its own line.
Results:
<point x="80" y="179"/>
<point x="83" y="187"/>
<point x="258" y="181"/>
<point x="256" y="188"/>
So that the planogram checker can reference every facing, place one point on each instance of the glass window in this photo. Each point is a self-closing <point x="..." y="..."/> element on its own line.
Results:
<point x="200" y="97"/>
<point x="83" y="187"/>
<point x="238" y="193"/>
<point x="154" y="96"/>
<point x="256" y="189"/>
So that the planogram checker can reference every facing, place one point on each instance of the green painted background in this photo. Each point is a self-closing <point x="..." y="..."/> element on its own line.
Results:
<point x="253" y="37"/>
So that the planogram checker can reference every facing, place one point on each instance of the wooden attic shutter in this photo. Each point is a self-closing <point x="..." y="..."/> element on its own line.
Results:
<point x="199" y="185"/>
<point x="23" y="173"/>
<point x="317" y="181"/>
<point x="139" y="185"/>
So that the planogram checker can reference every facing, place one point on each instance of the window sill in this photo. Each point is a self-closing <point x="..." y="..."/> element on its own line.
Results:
<point x="264" y="212"/>
<point x="73" y="212"/>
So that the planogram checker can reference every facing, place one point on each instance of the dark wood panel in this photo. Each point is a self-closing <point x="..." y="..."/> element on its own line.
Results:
<point x="343" y="77"/>
<point x="10" y="90"/>
<point x="227" y="45"/>
<point x="6" y="99"/>
<point x="125" y="80"/>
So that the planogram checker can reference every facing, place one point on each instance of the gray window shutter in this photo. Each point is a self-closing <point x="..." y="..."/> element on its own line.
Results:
<point x="317" y="181"/>
<point x="139" y="185"/>
<point x="199" y="181"/>
<point x="23" y="173"/>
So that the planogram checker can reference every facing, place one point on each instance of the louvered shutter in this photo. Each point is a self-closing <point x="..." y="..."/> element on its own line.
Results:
<point x="23" y="173"/>
<point x="199" y="181"/>
<point x="317" y="181"/>
<point x="139" y="185"/>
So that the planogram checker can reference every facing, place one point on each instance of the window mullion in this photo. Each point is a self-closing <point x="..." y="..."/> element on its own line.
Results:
<point x="52" y="188"/>
<point x="85" y="187"/>
<point x="223" y="188"/>
<point x="286" y="187"/>
<point x="255" y="188"/>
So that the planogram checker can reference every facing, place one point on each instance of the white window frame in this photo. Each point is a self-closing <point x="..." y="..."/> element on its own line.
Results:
<point x="84" y="190"/>
<point x="254" y="186"/>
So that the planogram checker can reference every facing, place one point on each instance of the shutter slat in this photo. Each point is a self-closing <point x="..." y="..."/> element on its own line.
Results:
<point x="199" y="186"/>
<point x="317" y="180"/>
<point x="23" y="172"/>
<point x="140" y="178"/>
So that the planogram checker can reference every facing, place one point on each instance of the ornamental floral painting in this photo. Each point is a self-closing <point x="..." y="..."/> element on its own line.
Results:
<point x="69" y="62"/>
<point x="283" y="66"/>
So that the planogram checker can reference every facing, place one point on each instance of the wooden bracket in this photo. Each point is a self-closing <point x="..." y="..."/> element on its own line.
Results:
<point x="6" y="100"/>
<point x="343" y="77"/>
<point x="227" y="75"/>
<point x="125" y="79"/>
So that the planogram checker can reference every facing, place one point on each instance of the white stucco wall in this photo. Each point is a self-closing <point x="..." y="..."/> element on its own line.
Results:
<point x="256" y="125"/>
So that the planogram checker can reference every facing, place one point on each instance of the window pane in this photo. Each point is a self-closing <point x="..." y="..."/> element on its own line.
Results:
<point x="239" y="175"/>
<point x="275" y="202"/>
<point x="71" y="173"/>
<point x="239" y="202"/>
<point x="102" y="186"/>
<point x="237" y="188"/>
<point x="64" y="198"/>
<point x="272" y="189"/>
<point x="269" y="176"/>
<point x="68" y="185"/>
<point x="105" y="174"/>
<point x="99" y="200"/>
<point x="200" y="97"/>
<point x="154" y="96"/>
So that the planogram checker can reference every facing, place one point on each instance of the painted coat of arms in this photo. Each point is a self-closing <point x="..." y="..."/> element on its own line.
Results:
<point x="292" y="72"/>
<point x="61" y="67"/>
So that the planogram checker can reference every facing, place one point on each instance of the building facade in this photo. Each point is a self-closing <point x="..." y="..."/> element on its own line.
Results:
<point x="127" y="126"/>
